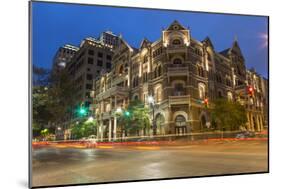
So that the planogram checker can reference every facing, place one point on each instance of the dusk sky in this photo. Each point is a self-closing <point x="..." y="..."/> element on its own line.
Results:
<point x="54" y="25"/>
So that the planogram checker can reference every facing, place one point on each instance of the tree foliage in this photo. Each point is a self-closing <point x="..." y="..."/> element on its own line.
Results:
<point x="84" y="129"/>
<point x="228" y="115"/>
<point x="52" y="99"/>
<point x="60" y="96"/>
<point x="136" y="120"/>
<point x="40" y="111"/>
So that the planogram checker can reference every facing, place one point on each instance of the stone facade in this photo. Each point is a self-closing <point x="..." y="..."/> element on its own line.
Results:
<point x="179" y="72"/>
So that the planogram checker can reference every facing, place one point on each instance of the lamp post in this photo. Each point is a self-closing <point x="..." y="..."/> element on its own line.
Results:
<point x="152" y="103"/>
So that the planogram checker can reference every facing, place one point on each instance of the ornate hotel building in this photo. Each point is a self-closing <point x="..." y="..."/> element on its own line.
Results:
<point x="179" y="72"/>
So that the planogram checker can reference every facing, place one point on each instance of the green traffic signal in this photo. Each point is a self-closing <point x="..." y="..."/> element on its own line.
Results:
<point x="127" y="113"/>
<point x="82" y="111"/>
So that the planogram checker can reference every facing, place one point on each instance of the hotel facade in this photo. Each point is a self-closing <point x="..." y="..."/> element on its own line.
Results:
<point x="180" y="73"/>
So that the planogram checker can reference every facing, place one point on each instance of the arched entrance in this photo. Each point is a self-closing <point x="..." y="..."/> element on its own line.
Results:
<point x="160" y="120"/>
<point x="180" y="125"/>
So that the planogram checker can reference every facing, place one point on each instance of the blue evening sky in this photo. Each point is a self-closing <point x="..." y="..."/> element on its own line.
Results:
<point x="55" y="24"/>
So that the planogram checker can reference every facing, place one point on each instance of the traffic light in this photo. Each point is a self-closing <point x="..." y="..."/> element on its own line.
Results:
<point x="250" y="91"/>
<point x="206" y="102"/>
<point x="127" y="113"/>
<point x="82" y="111"/>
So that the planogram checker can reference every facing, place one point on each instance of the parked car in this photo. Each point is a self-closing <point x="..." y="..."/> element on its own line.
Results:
<point x="92" y="138"/>
<point x="246" y="134"/>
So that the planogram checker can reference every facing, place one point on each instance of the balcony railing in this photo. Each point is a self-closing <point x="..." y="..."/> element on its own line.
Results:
<point x="177" y="69"/>
<point x="177" y="100"/>
<point x="119" y="78"/>
<point x="176" y="48"/>
<point x="116" y="90"/>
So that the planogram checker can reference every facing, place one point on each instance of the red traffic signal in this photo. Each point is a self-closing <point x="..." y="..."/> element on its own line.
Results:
<point x="250" y="91"/>
<point x="205" y="101"/>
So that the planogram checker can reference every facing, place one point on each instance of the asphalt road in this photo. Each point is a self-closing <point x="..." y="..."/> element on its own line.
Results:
<point x="60" y="166"/>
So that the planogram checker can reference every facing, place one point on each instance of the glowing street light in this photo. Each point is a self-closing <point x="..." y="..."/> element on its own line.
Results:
<point x="90" y="119"/>
<point x="119" y="110"/>
<point x="150" y="99"/>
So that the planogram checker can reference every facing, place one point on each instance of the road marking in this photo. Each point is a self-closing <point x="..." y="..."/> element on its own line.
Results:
<point x="147" y="147"/>
<point x="105" y="147"/>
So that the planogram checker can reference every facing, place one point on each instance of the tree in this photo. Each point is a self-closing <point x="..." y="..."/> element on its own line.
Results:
<point x="228" y="115"/>
<point x="84" y="129"/>
<point x="40" y="111"/>
<point x="60" y="96"/>
<point x="40" y="76"/>
<point x="134" y="118"/>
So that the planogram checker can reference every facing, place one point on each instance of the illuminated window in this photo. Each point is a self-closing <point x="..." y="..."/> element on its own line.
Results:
<point x="158" y="94"/>
<point x="180" y="121"/>
<point x="229" y="96"/>
<point x="201" y="88"/>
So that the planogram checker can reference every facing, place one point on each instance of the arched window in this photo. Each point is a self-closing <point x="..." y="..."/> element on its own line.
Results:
<point x="219" y="94"/>
<point x="155" y="72"/>
<point x="121" y="69"/>
<point x="177" y="61"/>
<point x="229" y="96"/>
<point x="180" y="121"/>
<point x="158" y="95"/>
<point x="200" y="71"/>
<point x="176" y="42"/>
<point x="218" y="77"/>
<point x="179" y="90"/>
<point x="201" y="90"/>
<point x="159" y="70"/>
<point x="135" y="82"/>
<point x="145" y="59"/>
<point x="144" y="77"/>
<point x="136" y="97"/>
<point x="209" y="56"/>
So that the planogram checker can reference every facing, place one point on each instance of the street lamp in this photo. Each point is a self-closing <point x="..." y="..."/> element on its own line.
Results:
<point x="152" y="103"/>
<point x="119" y="110"/>
<point x="90" y="119"/>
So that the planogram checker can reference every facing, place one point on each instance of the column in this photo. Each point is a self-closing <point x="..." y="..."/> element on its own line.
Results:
<point x="249" y="122"/>
<point x="109" y="130"/>
<point x="258" y="122"/>
<point x="261" y="123"/>
<point x="101" y="131"/>
<point x="253" y="123"/>
<point x="115" y="128"/>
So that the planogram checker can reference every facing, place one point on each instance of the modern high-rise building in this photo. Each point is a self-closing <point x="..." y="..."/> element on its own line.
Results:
<point x="179" y="73"/>
<point x="109" y="38"/>
<point x="92" y="59"/>
<point x="63" y="57"/>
